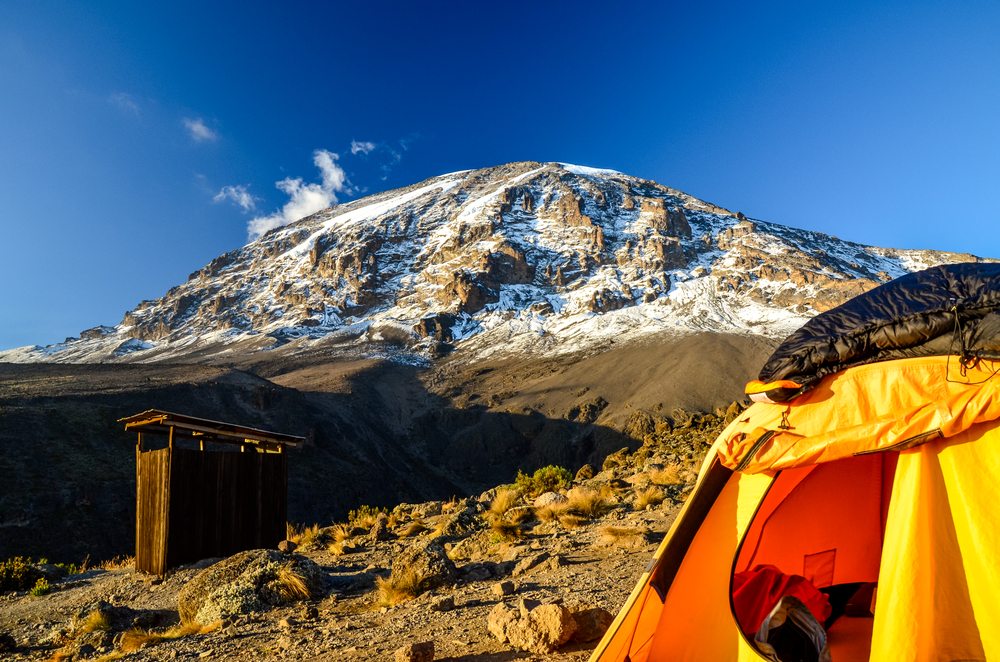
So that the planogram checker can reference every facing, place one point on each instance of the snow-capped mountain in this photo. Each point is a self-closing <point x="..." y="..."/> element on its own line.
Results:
<point x="525" y="256"/>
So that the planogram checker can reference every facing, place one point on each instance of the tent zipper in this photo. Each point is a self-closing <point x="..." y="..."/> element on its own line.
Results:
<point x="763" y="439"/>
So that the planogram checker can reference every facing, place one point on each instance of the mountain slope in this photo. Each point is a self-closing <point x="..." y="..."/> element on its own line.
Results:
<point x="551" y="258"/>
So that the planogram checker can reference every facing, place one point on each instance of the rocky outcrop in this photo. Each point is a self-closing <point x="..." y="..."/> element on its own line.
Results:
<point x="429" y="561"/>
<point x="246" y="582"/>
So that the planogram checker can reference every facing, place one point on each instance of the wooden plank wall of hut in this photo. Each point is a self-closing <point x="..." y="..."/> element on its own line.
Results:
<point x="151" y="501"/>
<point x="225" y="502"/>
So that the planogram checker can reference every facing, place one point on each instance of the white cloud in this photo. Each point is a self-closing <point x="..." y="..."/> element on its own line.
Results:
<point x="125" y="102"/>
<point x="362" y="147"/>
<point x="199" y="131"/>
<point x="239" y="195"/>
<point x="304" y="198"/>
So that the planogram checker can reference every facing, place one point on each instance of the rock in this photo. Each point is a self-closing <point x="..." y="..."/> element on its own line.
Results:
<point x="418" y="652"/>
<point x="591" y="623"/>
<point x="501" y="589"/>
<point x="554" y="562"/>
<point x="379" y="530"/>
<point x="444" y="603"/>
<point x="500" y="619"/>
<point x="616" y="459"/>
<point x="526" y="564"/>
<point x="430" y="561"/>
<point x="309" y="613"/>
<point x="287" y="546"/>
<point x="586" y="472"/>
<point x="547" y="499"/>
<point x="462" y="521"/>
<point x="286" y="622"/>
<point x="539" y="628"/>
<point x="245" y="583"/>
<point x="437" y="326"/>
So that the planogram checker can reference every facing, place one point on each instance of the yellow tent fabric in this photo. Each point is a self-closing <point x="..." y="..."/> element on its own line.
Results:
<point x="884" y="472"/>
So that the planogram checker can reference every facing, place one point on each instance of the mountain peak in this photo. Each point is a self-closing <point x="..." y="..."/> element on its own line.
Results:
<point x="550" y="257"/>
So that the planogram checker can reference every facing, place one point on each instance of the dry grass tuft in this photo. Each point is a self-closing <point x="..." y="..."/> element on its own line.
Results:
<point x="414" y="528"/>
<point x="504" y="529"/>
<point x="670" y="475"/>
<point x="292" y="585"/>
<point x="341" y="547"/>
<point x="364" y="517"/>
<point x="95" y="621"/>
<point x="306" y="537"/>
<point x="133" y="640"/>
<point x="505" y="499"/>
<point x="118" y="563"/>
<point x="651" y="496"/>
<point x="588" y="502"/>
<point x="339" y="532"/>
<point x="623" y="536"/>
<point x="550" y="513"/>
<point x="398" y="587"/>
<point x="571" y="521"/>
<point x="449" y="506"/>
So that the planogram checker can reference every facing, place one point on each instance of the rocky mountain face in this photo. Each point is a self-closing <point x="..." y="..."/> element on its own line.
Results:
<point x="549" y="258"/>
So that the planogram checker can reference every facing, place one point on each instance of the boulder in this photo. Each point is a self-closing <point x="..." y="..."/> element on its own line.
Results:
<point x="586" y="472"/>
<point x="539" y="628"/>
<point x="287" y="546"/>
<point x="444" y="603"/>
<point x="501" y="589"/>
<point x="430" y="561"/>
<point x="248" y="582"/>
<point x="416" y="652"/>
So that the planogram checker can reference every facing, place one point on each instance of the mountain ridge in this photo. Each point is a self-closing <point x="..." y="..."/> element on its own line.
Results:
<point x="548" y="258"/>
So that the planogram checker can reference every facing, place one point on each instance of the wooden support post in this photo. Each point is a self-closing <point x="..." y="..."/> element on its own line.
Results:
<point x="170" y="441"/>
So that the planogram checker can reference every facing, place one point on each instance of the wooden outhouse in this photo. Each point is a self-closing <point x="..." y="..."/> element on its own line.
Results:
<point x="205" y="488"/>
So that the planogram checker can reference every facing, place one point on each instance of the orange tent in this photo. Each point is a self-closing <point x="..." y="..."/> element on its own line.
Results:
<point x="885" y="472"/>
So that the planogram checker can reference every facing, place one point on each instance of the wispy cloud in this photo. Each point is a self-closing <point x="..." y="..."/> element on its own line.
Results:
<point x="199" y="131"/>
<point x="362" y="147"/>
<point x="239" y="195"/>
<point x="125" y="102"/>
<point x="304" y="198"/>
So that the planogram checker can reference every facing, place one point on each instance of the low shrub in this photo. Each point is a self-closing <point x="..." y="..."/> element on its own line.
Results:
<point x="546" y="479"/>
<point x="18" y="573"/>
<point x="41" y="587"/>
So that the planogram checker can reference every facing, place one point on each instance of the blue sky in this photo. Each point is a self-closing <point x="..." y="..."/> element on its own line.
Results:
<point x="130" y="133"/>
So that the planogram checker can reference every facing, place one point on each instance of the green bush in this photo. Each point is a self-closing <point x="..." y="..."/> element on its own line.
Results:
<point x="41" y="587"/>
<point x="18" y="574"/>
<point x="545" y="479"/>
